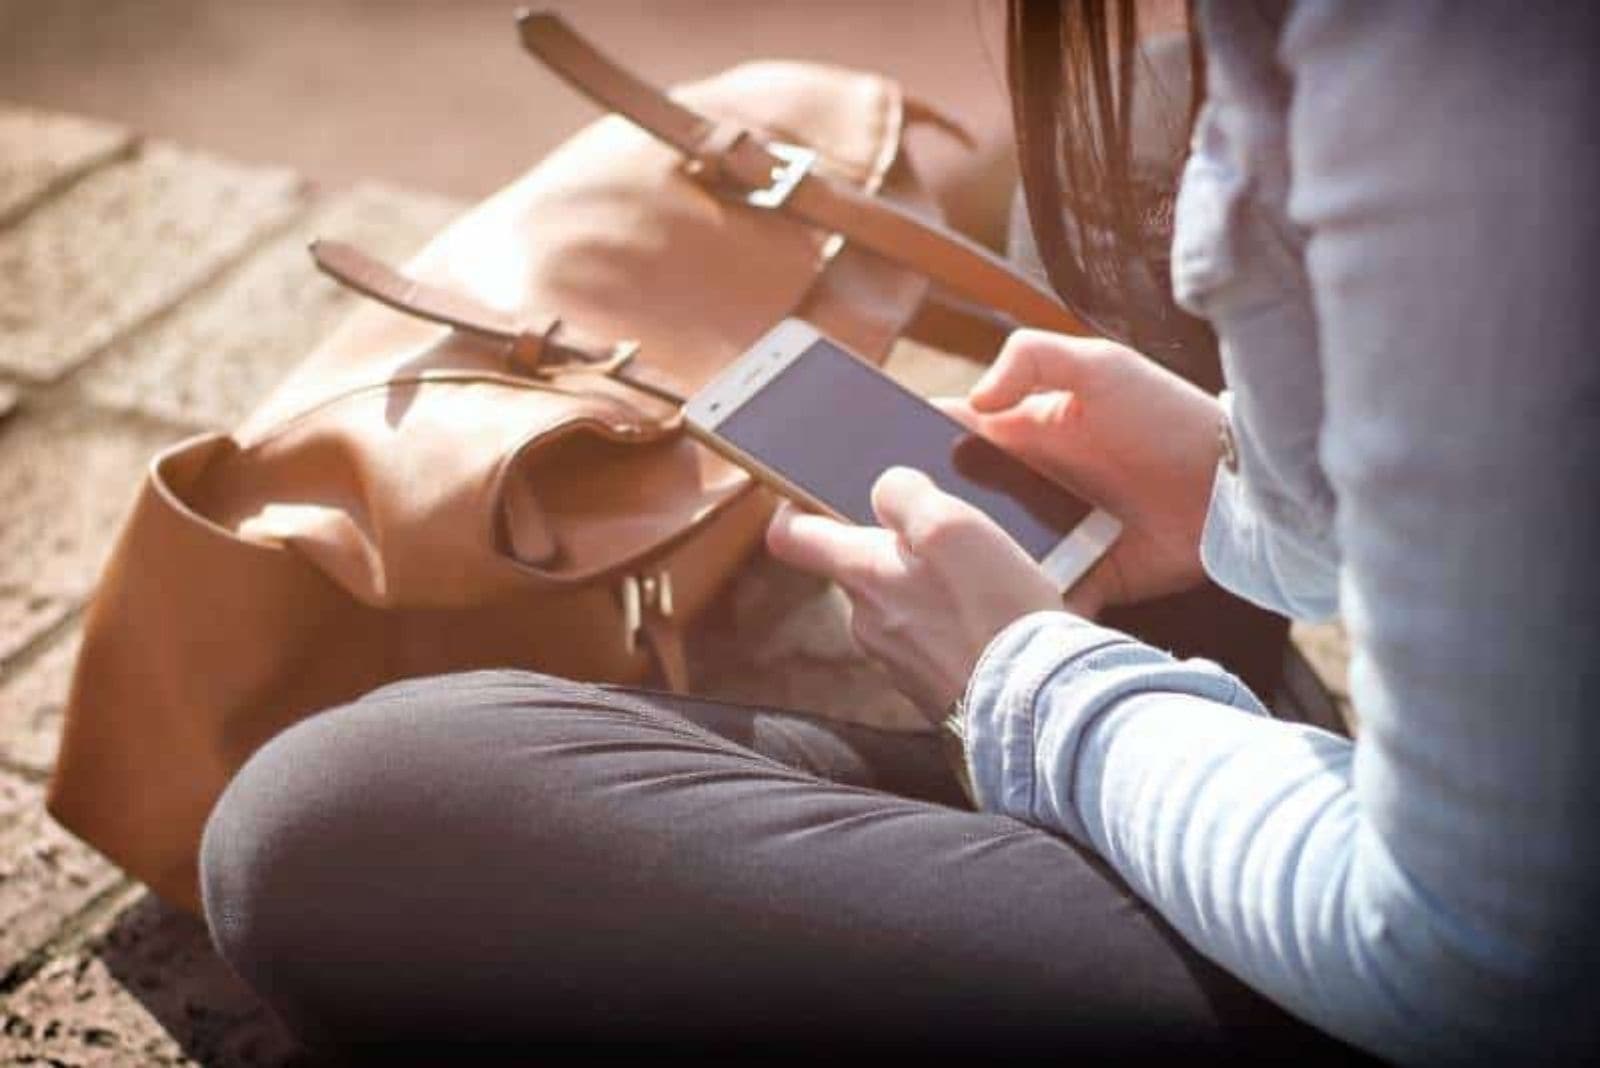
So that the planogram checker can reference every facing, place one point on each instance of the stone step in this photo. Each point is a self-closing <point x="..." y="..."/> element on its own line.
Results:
<point x="42" y="152"/>
<point x="32" y="698"/>
<point x="145" y="988"/>
<point x="122" y="244"/>
<point x="211" y="359"/>
<point x="46" y="875"/>
<point x="66" y="478"/>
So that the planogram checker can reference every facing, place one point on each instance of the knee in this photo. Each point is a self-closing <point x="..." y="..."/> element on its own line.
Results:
<point x="255" y="853"/>
<point x="271" y="842"/>
<point x="316" y="820"/>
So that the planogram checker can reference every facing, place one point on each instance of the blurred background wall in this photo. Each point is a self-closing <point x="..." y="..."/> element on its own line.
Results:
<point x="436" y="95"/>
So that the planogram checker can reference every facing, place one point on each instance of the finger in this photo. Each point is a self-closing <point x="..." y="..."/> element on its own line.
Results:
<point x="1042" y="429"/>
<point x="930" y="520"/>
<point x="1034" y="416"/>
<point x="847" y="554"/>
<point x="1034" y="360"/>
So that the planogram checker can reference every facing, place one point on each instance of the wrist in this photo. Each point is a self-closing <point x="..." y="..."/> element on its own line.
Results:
<point x="1216" y="452"/>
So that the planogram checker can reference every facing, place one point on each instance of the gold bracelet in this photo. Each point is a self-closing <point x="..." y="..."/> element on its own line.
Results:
<point x="1229" y="448"/>
<point x="953" y="739"/>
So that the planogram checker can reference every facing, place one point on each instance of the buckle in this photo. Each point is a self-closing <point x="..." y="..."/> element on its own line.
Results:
<point x="796" y="164"/>
<point x="622" y="354"/>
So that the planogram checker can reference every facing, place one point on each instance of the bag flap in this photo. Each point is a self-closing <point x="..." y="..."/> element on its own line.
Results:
<point x="611" y="236"/>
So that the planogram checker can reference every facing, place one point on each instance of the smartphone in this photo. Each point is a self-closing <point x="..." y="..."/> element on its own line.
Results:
<point x="820" y="424"/>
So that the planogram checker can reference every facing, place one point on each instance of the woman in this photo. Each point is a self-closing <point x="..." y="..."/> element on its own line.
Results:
<point x="1386" y="217"/>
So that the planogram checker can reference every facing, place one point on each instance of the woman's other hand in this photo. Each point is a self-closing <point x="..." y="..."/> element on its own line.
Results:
<point x="1119" y="429"/>
<point x="929" y="588"/>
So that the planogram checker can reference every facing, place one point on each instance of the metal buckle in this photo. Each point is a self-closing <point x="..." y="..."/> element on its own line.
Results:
<point x="622" y="354"/>
<point x="797" y="163"/>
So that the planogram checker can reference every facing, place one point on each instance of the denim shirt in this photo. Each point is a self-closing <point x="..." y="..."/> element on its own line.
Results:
<point x="1389" y="216"/>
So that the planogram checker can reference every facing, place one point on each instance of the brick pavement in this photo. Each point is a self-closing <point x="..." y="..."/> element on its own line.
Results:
<point x="146" y="292"/>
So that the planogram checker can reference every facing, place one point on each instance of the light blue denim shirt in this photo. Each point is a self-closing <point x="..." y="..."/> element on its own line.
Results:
<point x="1389" y="216"/>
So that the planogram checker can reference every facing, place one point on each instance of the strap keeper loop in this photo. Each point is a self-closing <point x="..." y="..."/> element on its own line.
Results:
<point x="527" y="350"/>
<point x="720" y="140"/>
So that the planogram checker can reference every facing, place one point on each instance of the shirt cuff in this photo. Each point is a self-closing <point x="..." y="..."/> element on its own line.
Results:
<point x="1266" y="559"/>
<point x="1041" y="686"/>
<point x="1001" y="703"/>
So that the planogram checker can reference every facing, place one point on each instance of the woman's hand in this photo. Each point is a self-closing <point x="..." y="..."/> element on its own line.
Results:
<point x="1119" y="429"/>
<point x="929" y="589"/>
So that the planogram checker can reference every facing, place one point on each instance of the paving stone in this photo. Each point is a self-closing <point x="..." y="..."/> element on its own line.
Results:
<point x="149" y="991"/>
<point x="66" y="478"/>
<point x="31" y="701"/>
<point x="26" y="615"/>
<point x="46" y="875"/>
<point x="16" y="795"/>
<point x="42" y="151"/>
<point x="210" y="360"/>
<point x="122" y="244"/>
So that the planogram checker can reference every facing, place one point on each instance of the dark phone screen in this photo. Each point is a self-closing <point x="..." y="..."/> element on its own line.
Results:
<point x="832" y="424"/>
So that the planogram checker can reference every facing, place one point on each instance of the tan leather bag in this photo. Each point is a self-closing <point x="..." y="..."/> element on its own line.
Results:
<point x="490" y="471"/>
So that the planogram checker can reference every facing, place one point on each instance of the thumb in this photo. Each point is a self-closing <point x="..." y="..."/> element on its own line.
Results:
<point x="1031" y="361"/>
<point x="929" y="520"/>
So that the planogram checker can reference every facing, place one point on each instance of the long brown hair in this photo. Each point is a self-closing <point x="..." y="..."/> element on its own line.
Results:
<point x="1102" y="227"/>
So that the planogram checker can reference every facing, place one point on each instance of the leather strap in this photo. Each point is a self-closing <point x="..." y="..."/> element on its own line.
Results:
<point x="539" y="346"/>
<point x="954" y="325"/>
<point x="920" y="113"/>
<point x="356" y="270"/>
<point x="665" y="639"/>
<point x="735" y="162"/>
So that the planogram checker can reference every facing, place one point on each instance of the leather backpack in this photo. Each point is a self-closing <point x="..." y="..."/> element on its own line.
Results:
<point x="485" y="465"/>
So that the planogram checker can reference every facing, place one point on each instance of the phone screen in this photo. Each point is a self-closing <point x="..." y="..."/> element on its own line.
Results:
<point x="832" y="424"/>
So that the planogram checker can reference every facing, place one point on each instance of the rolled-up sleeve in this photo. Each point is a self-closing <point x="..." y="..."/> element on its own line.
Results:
<point x="1282" y="566"/>
<point x="1430" y="892"/>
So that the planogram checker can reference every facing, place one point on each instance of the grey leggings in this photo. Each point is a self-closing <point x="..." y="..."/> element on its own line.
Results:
<point x="503" y="857"/>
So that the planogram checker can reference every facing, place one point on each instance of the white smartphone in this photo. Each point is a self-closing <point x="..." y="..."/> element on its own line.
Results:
<point x="820" y="424"/>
